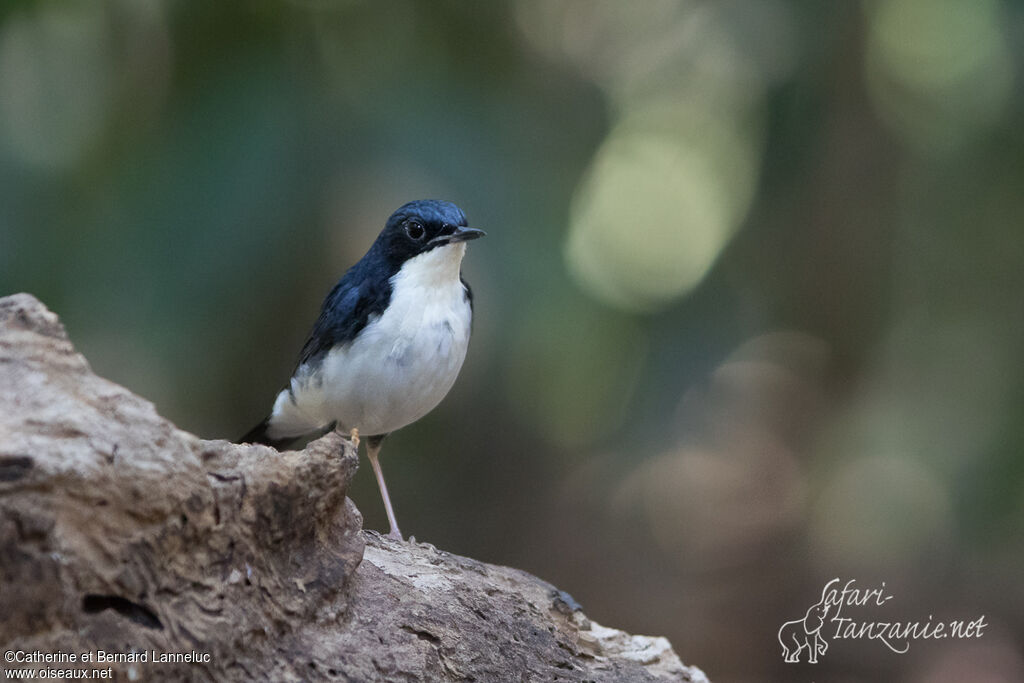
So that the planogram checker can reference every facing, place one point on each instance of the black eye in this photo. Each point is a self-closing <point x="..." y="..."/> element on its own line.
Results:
<point x="415" y="230"/>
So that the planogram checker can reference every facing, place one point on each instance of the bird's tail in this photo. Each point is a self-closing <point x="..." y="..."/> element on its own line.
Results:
<point x="258" y="434"/>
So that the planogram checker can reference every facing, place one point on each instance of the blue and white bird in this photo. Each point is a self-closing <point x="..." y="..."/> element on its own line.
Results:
<point x="390" y="339"/>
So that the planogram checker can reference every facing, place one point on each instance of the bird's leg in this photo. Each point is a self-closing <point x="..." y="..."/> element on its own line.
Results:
<point x="372" y="450"/>
<point x="354" y="437"/>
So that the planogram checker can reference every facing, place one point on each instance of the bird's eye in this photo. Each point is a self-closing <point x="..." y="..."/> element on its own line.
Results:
<point x="414" y="229"/>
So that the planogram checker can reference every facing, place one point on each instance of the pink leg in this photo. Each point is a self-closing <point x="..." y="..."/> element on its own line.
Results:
<point x="372" y="449"/>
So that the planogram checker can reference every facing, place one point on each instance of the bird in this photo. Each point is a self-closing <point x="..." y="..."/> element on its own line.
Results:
<point x="389" y="342"/>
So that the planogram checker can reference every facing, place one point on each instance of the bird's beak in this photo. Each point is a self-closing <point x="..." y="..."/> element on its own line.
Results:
<point x="461" y="234"/>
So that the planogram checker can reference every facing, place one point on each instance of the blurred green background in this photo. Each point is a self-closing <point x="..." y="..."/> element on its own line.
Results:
<point x="750" y="313"/>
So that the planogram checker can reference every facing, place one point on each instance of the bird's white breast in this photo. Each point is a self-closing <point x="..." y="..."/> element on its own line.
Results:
<point x="402" y="363"/>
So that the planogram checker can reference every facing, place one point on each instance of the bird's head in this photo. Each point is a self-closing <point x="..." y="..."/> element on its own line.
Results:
<point x="425" y="225"/>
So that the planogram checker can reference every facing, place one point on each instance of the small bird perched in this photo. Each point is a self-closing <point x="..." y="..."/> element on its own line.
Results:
<point x="390" y="339"/>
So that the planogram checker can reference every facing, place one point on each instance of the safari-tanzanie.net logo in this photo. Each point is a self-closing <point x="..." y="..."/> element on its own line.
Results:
<point x="835" y="617"/>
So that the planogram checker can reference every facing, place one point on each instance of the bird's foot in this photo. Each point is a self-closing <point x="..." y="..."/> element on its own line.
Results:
<point x="395" y="534"/>
<point x="354" y="437"/>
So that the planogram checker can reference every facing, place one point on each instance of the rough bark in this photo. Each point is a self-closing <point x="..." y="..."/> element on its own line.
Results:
<point x="123" y="534"/>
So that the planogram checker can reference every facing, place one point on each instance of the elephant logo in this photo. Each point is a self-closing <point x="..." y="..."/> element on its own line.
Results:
<point x="805" y="634"/>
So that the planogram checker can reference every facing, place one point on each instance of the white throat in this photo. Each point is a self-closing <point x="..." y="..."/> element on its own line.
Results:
<point x="435" y="268"/>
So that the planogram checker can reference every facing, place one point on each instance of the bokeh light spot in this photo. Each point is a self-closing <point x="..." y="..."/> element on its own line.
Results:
<point x="938" y="70"/>
<point x="663" y="196"/>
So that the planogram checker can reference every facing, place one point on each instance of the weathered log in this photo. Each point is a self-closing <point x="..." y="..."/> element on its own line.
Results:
<point x="121" y="534"/>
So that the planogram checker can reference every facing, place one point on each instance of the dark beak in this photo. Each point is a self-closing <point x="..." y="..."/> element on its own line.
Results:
<point x="463" y="234"/>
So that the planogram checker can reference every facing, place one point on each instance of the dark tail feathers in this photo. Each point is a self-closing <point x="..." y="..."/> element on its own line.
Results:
<point x="258" y="434"/>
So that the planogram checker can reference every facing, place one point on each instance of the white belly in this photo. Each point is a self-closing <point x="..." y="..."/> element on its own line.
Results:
<point x="396" y="371"/>
<point x="399" y="368"/>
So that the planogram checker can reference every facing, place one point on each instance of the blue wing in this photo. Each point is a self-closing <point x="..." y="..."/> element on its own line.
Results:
<point x="346" y="311"/>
